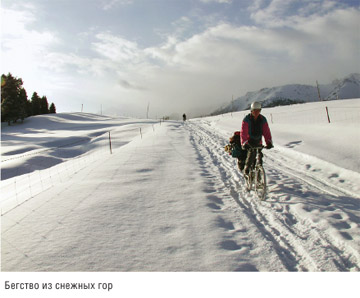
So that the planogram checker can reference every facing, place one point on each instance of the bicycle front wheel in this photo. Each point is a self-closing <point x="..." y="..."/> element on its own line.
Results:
<point x="248" y="183"/>
<point x="260" y="183"/>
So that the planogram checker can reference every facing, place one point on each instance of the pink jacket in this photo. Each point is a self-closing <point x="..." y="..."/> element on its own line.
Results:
<point x="254" y="131"/>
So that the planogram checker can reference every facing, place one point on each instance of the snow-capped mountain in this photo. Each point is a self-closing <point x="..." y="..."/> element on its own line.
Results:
<point x="346" y="88"/>
<point x="349" y="87"/>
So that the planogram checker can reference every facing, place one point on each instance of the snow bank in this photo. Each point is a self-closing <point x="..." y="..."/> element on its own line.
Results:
<point x="305" y="128"/>
<point x="170" y="199"/>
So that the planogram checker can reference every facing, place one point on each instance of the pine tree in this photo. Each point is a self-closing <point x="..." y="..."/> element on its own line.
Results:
<point x="15" y="104"/>
<point x="35" y="104"/>
<point x="52" y="109"/>
<point x="23" y="113"/>
<point x="12" y="98"/>
<point x="44" y="105"/>
<point x="28" y="108"/>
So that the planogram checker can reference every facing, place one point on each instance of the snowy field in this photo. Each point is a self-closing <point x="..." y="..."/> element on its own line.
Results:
<point x="166" y="197"/>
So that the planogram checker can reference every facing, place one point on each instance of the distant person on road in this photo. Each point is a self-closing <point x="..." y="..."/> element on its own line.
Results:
<point x="184" y="117"/>
<point x="253" y="128"/>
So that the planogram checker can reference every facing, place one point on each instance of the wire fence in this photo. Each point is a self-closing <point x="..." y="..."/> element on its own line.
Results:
<point x="315" y="115"/>
<point x="17" y="190"/>
<point x="32" y="178"/>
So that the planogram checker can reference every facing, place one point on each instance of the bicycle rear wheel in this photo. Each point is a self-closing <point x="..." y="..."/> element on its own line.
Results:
<point x="260" y="183"/>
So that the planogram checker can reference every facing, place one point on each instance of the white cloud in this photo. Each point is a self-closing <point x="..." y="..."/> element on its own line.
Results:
<point x="23" y="50"/>
<point x="182" y="25"/>
<point x="15" y="34"/>
<point x="318" y="7"/>
<point x="116" y="48"/>
<point x="109" y="4"/>
<point x="255" y="5"/>
<point x="165" y="52"/>
<point x="273" y="15"/>
<point x="226" y="59"/>
<point x="129" y="85"/>
<point x="282" y="13"/>
<point x="193" y="71"/>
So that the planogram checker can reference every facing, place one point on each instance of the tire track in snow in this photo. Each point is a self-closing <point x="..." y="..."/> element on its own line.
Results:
<point x="231" y="180"/>
<point x="300" y="245"/>
<point x="348" y="258"/>
<point x="306" y="177"/>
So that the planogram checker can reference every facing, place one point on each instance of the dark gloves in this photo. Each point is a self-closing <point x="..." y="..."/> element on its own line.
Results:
<point x="246" y="146"/>
<point x="269" y="146"/>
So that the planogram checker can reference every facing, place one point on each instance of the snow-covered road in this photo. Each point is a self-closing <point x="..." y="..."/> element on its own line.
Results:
<point x="148" y="207"/>
<point x="173" y="200"/>
<point x="311" y="222"/>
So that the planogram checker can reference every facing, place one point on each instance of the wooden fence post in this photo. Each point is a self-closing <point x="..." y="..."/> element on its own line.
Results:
<point x="327" y="113"/>
<point x="110" y="143"/>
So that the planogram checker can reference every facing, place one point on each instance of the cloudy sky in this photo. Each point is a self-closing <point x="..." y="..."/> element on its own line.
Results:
<point x="174" y="56"/>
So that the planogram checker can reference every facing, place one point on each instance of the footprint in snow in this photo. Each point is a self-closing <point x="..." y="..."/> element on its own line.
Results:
<point x="334" y="176"/>
<point x="209" y="190"/>
<point x="166" y="229"/>
<point x="230" y="245"/>
<point x="215" y="199"/>
<point x="290" y="219"/>
<point x="172" y="249"/>
<point x="144" y="170"/>
<point x="228" y="225"/>
<point x="346" y="235"/>
<point x="341" y="225"/>
<point x="246" y="268"/>
<point x="337" y="216"/>
<point x="293" y="144"/>
<point x="213" y="206"/>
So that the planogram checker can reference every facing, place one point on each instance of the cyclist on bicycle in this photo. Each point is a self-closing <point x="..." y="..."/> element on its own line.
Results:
<point x="253" y="128"/>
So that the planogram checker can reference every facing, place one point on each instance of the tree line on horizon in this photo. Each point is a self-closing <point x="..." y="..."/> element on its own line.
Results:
<point x="15" y="104"/>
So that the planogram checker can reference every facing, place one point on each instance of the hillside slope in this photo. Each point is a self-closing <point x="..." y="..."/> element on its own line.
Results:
<point x="346" y="88"/>
<point x="171" y="199"/>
